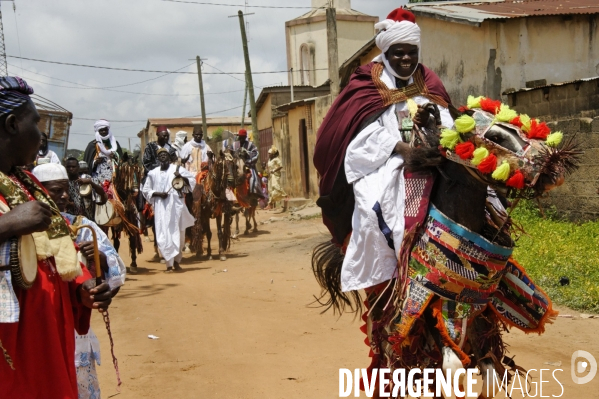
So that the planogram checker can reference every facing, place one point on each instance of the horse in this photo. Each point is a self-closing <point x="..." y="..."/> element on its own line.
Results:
<point x="126" y="184"/>
<point x="210" y="202"/>
<point x="408" y="331"/>
<point x="247" y="203"/>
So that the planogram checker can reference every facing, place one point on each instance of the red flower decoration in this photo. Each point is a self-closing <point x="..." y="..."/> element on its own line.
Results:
<point x="464" y="150"/>
<point x="538" y="131"/>
<point x="489" y="164"/>
<point x="489" y="105"/>
<point x="463" y="109"/>
<point x="516" y="121"/>
<point x="516" y="181"/>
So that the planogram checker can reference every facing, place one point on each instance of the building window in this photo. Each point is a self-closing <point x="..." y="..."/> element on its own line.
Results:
<point x="307" y="64"/>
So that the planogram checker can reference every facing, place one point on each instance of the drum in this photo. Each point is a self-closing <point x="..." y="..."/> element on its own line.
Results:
<point x="178" y="183"/>
<point x="106" y="214"/>
<point x="23" y="261"/>
<point x="85" y="190"/>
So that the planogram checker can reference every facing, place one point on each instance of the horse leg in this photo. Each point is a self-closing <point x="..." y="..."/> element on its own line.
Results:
<point x="236" y="224"/>
<point x="115" y="239"/>
<point x="208" y="234"/>
<point x="221" y="236"/>
<point x="248" y="224"/>
<point x="253" y="210"/>
<point x="133" y="249"/>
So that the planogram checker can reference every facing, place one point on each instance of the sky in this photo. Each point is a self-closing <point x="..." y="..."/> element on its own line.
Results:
<point x="151" y="35"/>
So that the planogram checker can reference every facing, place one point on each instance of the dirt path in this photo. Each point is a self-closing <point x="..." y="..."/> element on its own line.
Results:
<point x="247" y="332"/>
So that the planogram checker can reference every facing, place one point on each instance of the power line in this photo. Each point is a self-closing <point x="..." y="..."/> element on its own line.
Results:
<point x="149" y="70"/>
<point x="145" y="120"/>
<point x="233" y="5"/>
<point x="86" y="87"/>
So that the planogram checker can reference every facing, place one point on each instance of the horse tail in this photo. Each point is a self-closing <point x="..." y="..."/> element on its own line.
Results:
<point x="327" y="260"/>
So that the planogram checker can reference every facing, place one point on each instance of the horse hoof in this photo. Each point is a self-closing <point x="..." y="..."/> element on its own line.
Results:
<point x="223" y="258"/>
<point x="245" y="233"/>
<point x="210" y="257"/>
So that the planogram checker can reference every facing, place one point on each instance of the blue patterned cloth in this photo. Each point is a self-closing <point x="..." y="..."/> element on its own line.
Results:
<point x="9" y="304"/>
<point x="116" y="267"/>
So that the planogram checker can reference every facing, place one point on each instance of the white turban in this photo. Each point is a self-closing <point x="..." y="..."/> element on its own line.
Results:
<point x="392" y="32"/>
<point x="181" y="134"/>
<point x="100" y="140"/>
<point x="49" y="172"/>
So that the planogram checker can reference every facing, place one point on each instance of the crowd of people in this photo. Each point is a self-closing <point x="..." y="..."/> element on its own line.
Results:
<point x="47" y="269"/>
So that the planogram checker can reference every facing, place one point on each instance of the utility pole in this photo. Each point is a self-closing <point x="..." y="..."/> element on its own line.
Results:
<point x="3" y="64"/>
<point x="292" y="84"/>
<point x="245" y="100"/>
<point x="333" y="51"/>
<point x="249" y="80"/>
<point x="204" y="124"/>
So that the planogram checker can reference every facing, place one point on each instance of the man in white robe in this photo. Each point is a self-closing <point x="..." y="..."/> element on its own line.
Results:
<point x="171" y="216"/>
<point x="373" y="160"/>
<point x="195" y="152"/>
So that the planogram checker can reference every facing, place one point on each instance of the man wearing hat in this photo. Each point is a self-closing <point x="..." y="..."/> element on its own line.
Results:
<point x="82" y="204"/>
<point x="171" y="216"/>
<point x="56" y="180"/>
<point x="180" y="141"/>
<point x="360" y="149"/>
<point x="103" y="153"/>
<point x="249" y="153"/>
<point x="150" y="158"/>
<point x="36" y="323"/>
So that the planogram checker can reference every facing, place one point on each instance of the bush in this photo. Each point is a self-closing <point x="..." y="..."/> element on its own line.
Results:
<point x="552" y="248"/>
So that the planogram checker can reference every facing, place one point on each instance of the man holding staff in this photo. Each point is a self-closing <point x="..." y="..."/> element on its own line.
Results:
<point x="37" y="323"/>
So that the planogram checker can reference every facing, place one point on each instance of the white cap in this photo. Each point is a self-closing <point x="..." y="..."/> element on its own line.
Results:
<point x="50" y="172"/>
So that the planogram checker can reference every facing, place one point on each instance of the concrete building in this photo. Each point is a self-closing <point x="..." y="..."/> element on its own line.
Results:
<point x="489" y="47"/>
<point x="226" y="124"/>
<point x="307" y="51"/>
<point x="55" y="121"/>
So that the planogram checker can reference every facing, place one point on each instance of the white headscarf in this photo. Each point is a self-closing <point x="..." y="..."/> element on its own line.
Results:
<point x="100" y="140"/>
<point x="392" y="32"/>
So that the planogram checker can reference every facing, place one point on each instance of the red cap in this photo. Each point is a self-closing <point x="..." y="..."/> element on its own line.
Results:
<point x="401" y="14"/>
<point x="243" y="133"/>
<point x="161" y="128"/>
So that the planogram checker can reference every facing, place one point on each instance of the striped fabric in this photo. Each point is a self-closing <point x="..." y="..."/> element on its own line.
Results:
<point x="14" y="92"/>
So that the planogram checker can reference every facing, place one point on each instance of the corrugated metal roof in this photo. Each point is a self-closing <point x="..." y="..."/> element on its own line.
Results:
<point x="475" y="12"/>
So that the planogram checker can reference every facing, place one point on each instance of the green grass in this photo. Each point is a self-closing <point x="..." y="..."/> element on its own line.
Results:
<point x="553" y="248"/>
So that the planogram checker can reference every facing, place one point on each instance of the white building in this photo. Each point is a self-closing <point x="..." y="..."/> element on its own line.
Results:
<point x="306" y="36"/>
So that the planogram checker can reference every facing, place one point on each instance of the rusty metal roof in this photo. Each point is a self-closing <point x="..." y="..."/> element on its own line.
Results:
<point x="475" y="12"/>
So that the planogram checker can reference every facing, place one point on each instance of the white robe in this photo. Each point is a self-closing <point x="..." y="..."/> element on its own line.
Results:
<point x="171" y="216"/>
<point x="191" y="149"/>
<point x="376" y="177"/>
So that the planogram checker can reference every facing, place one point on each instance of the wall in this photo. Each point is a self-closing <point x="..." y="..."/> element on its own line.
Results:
<point x="557" y="101"/>
<point x="352" y="33"/>
<point x="56" y="125"/>
<point x="264" y="114"/>
<point x="509" y="52"/>
<point x="578" y="199"/>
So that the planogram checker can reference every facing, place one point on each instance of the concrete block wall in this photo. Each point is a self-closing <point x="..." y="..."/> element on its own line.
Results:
<point x="559" y="101"/>
<point x="577" y="199"/>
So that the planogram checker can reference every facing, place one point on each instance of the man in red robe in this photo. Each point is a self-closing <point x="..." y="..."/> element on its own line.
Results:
<point x="36" y="324"/>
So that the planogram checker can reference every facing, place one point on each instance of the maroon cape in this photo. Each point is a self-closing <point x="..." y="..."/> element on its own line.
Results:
<point x="358" y="103"/>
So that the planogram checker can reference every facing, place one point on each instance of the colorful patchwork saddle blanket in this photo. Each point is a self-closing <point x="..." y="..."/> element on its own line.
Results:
<point x="460" y="274"/>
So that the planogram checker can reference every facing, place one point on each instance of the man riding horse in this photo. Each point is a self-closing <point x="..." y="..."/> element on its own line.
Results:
<point x="427" y="239"/>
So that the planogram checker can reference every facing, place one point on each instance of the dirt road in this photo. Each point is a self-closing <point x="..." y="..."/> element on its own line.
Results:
<point x="243" y="328"/>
